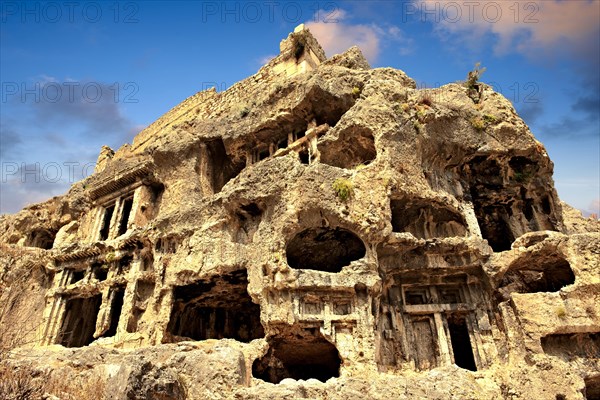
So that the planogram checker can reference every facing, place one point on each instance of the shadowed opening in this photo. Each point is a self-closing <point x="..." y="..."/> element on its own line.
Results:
<point x="116" y="305"/>
<point x="216" y="308"/>
<point x="592" y="387"/>
<point x="545" y="275"/>
<point x="569" y="346"/>
<point x="79" y="323"/>
<point x="425" y="220"/>
<point x="105" y="228"/>
<point x="42" y="239"/>
<point x="461" y="343"/>
<point x="302" y="356"/>
<point x="127" y="206"/>
<point x="324" y="249"/>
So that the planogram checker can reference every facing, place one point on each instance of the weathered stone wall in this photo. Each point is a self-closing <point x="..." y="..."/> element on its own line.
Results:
<point x="320" y="229"/>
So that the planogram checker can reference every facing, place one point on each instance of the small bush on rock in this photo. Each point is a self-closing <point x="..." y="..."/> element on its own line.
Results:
<point x="343" y="188"/>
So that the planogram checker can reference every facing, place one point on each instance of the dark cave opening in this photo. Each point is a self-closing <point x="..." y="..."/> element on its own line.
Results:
<point x="324" y="249"/>
<point x="216" y="308"/>
<point x="592" y="387"/>
<point x="77" y="275"/>
<point x="425" y="220"/>
<point x="100" y="272"/>
<point x="493" y="222"/>
<point x="105" y="228"/>
<point x="127" y="206"/>
<point x="461" y="343"/>
<point x="302" y="356"/>
<point x="79" y="323"/>
<point x="116" y="306"/>
<point x="568" y="346"/>
<point x="539" y="275"/>
<point x="42" y="239"/>
<point x="226" y="168"/>
<point x="358" y="146"/>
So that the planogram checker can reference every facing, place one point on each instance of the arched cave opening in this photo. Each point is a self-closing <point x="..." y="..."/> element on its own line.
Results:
<point x="509" y="198"/>
<point x="303" y="355"/>
<point x="216" y="308"/>
<point x="324" y="249"/>
<point x="355" y="147"/>
<point x="41" y="238"/>
<point x="425" y="220"/>
<point x="538" y="275"/>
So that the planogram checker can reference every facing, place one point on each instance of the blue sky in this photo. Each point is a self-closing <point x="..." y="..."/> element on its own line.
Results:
<point x="77" y="75"/>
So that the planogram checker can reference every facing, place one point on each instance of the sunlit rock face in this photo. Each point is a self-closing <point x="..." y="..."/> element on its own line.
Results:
<point x="319" y="230"/>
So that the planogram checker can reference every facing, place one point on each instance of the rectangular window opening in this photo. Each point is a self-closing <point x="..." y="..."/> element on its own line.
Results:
<point x="105" y="228"/>
<point x="76" y="276"/>
<point x="449" y="295"/>
<point x="262" y="154"/>
<point x="416" y="296"/>
<point x="116" y="305"/>
<point x="78" y="326"/>
<point x="127" y="206"/>
<point x="282" y="144"/>
<point x="461" y="343"/>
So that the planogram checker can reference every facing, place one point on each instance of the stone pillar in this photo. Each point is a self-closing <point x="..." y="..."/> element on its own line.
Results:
<point x="469" y="213"/>
<point x="114" y="221"/>
<point x="445" y="358"/>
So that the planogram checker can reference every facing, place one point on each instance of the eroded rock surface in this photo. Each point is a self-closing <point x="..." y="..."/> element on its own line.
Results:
<point x="319" y="230"/>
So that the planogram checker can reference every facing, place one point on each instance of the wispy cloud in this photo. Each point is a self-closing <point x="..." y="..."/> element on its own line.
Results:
<point x="31" y="183"/>
<point x="531" y="112"/>
<point x="265" y="59"/>
<point x="338" y="34"/>
<point x="524" y="26"/>
<point x="548" y="31"/>
<point x="95" y="106"/>
<point x="65" y="122"/>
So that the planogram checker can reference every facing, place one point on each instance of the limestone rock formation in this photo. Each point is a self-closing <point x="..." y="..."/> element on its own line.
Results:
<point x="319" y="230"/>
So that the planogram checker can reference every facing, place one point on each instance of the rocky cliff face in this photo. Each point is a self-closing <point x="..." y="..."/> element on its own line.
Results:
<point x="319" y="230"/>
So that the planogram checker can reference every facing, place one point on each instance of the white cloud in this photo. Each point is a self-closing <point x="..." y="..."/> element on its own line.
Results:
<point x="521" y="25"/>
<point x="265" y="59"/>
<point x="336" y="35"/>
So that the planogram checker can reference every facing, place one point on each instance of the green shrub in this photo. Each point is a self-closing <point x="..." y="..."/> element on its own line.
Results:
<point x="478" y="123"/>
<point x="343" y="188"/>
<point x="491" y="119"/>
<point x="522" y="177"/>
<point x="356" y="91"/>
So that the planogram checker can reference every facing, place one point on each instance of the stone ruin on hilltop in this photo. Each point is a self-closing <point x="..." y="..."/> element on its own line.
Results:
<point x="317" y="220"/>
